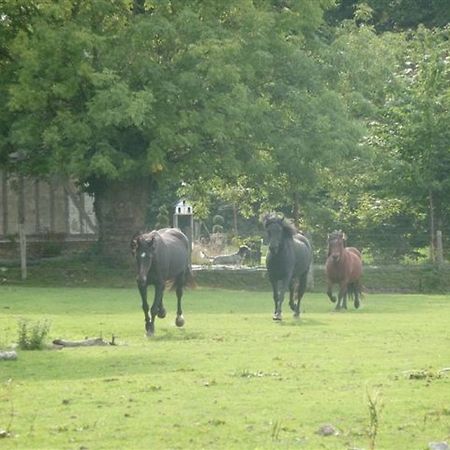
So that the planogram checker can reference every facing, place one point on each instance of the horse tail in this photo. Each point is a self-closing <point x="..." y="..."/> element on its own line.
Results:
<point x="186" y="279"/>
<point x="355" y="289"/>
<point x="189" y="279"/>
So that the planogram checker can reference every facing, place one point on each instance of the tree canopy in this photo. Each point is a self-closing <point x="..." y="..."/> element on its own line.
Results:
<point x="312" y="107"/>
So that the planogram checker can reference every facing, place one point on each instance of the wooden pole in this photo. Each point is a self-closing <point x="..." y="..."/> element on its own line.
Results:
<point x="432" y="229"/>
<point x="22" y="233"/>
<point x="439" y="248"/>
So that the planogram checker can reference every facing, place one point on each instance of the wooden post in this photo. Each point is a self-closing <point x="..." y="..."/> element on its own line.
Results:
<point x="4" y="200"/>
<point x="432" y="228"/>
<point x="439" y="248"/>
<point x="22" y="233"/>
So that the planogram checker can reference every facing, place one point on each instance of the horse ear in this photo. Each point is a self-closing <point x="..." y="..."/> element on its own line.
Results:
<point x="151" y="243"/>
<point x="134" y="243"/>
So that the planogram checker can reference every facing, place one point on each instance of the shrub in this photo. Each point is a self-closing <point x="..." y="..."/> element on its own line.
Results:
<point x="32" y="335"/>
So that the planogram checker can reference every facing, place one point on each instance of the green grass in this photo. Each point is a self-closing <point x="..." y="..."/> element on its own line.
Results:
<point x="231" y="378"/>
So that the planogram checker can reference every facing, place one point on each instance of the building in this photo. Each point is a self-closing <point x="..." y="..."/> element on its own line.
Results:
<point x="51" y="210"/>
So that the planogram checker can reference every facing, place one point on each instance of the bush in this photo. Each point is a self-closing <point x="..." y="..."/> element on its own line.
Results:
<point x="32" y="336"/>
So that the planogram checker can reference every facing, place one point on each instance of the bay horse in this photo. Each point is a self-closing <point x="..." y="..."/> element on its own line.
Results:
<point x="288" y="261"/>
<point x="343" y="267"/>
<point x="162" y="256"/>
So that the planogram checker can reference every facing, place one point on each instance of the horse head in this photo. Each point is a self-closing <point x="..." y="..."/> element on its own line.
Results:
<point x="336" y="244"/>
<point x="274" y="225"/>
<point x="143" y="247"/>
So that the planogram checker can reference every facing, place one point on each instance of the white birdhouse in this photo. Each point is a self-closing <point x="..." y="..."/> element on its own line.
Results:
<point x="183" y="208"/>
<point x="183" y="219"/>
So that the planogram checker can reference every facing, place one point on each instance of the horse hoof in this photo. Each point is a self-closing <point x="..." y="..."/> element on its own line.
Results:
<point x="296" y="315"/>
<point x="162" y="313"/>
<point x="276" y="317"/>
<point x="179" y="321"/>
<point x="149" y="329"/>
<point x="357" y="304"/>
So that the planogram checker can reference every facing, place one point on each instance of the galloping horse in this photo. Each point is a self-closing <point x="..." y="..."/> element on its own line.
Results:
<point x="161" y="256"/>
<point x="343" y="267"/>
<point x="288" y="261"/>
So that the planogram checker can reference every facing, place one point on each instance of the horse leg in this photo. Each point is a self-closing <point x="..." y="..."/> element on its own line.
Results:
<point x="179" y="321"/>
<point x="142" y="286"/>
<point x="284" y="287"/>
<point x="275" y="292"/>
<point x="301" y="293"/>
<point x="162" y="311"/>
<point x="342" y="297"/>
<point x="156" y="306"/>
<point x="292" y="290"/>
<point x="330" y="292"/>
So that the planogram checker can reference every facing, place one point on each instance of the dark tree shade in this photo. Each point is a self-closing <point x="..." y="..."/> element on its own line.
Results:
<point x="396" y="15"/>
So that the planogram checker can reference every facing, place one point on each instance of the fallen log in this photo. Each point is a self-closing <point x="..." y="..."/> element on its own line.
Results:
<point x="88" y="342"/>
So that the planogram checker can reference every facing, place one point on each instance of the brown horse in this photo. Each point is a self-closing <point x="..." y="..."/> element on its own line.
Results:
<point x="343" y="267"/>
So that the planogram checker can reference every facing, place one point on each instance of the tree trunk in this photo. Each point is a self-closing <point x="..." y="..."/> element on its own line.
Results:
<point x="120" y="207"/>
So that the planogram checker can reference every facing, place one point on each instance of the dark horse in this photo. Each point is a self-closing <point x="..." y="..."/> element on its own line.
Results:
<point x="343" y="267"/>
<point x="161" y="255"/>
<point x="288" y="261"/>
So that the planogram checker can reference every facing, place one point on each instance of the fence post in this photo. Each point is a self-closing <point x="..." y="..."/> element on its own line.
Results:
<point x="22" y="232"/>
<point x="439" y="248"/>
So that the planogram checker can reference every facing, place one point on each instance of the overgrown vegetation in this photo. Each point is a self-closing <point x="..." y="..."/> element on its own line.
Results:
<point x="32" y="335"/>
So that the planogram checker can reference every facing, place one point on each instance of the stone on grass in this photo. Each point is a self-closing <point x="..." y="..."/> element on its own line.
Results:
<point x="438" y="446"/>
<point x="327" y="430"/>
<point x="8" y="356"/>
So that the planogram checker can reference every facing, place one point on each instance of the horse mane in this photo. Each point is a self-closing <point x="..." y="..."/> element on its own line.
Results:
<point x="287" y="225"/>
<point x="141" y="236"/>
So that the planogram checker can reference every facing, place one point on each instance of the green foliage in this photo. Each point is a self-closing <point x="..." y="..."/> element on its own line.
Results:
<point x="256" y="104"/>
<point x="162" y="218"/>
<point x="218" y="224"/>
<point x="218" y="220"/>
<point x="31" y="336"/>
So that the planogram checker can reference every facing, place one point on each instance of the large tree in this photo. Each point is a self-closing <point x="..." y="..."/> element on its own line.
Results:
<point x="123" y="94"/>
<point x="416" y="130"/>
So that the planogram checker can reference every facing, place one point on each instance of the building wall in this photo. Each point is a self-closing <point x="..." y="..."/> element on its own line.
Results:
<point x="49" y="207"/>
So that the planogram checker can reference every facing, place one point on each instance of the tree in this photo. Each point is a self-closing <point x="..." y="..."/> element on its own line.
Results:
<point x="416" y="127"/>
<point x="121" y="95"/>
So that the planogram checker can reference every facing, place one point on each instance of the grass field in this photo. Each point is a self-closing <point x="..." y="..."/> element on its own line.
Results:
<point x="231" y="378"/>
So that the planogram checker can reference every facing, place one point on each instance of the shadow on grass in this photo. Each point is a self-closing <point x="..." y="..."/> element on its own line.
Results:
<point x="302" y="322"/>
<point x="83" y="363"/>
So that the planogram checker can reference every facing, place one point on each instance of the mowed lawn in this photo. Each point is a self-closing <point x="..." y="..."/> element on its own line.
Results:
<point x="231" y="378"/>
